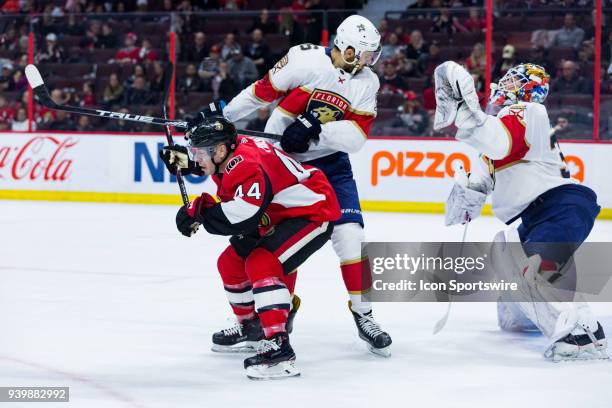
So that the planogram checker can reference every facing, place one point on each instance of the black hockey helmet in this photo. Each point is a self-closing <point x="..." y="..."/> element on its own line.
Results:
<point x="212" y="131"/>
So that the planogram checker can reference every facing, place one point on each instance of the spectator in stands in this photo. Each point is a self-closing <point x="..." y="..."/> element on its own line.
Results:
<point x="258" y="51"/>
<point x="157" y="83"/>
<point x="6" y="78"/>
<point x="6" y="113"/>
<point x="569" y="81"/>
<point x="84" y="124"/>
<point x="542" y="38"/>
<point x="444" y="22"/>
<point x="569" y="35"/>
<point x="589" y="33"/>
<point x="146" y="53"/>
<point x="138" y="94"/>
<point x="232" y="4"/>
<point x="52" y="52"/>
<point x="88" y="98"/>
<point x="107" y="39"/>
<point x="62" y="122"/>
<point x="391" y="47"/>
<point x="139" y="70"/>
<point x="417" y="49"/>
<point x="383" y="29"/>
<point x="223" y="85"/>
<point x="476" y="63"/>
<point x="259" y="122"/>
<point x="475" y="22"/>
<point x="606" y="79"/>
<point x="229" y="46"/>
<point x="190" y="82"/>
<point x="390" y="81"/>
<point x="404" y="38"/>
<point x="538" y="55"/>
<point x="561" y="128"/>
<point x="113" y="93"/>
<point x="412" y="116"/>
<point x="73" y="27"/>
<point x="20" y="121"/>
<point x="606" y="47"/>
<point x="242" y="69"/>
<point x="209" y="67"/>
<point x="507" y="61"/>
<point x="429" y="63"/>
<point x="20" y="83"/>
<point x="197" y="51"/>
<point x="129" y="53"/>
<point x="264" y="23"/>
<point x="91" y="37"/>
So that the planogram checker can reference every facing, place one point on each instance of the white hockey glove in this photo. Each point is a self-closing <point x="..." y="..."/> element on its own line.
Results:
<point x="456" y="98"/>
<point x="464" y="203"/>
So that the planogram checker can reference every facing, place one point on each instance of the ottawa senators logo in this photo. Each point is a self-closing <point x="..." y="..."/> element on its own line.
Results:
<point x="233" y="163"/>
<point x="327" y="106"/>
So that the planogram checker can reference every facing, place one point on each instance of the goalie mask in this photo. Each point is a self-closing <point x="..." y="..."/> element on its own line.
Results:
<point x="360" y="34"/>
<point x="205" y="138"/>
<point x="522" y="83"/>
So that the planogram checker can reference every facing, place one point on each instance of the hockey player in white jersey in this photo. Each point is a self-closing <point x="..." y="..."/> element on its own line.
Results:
<point x="326" y="105"/>
<point x="527" y="178"/>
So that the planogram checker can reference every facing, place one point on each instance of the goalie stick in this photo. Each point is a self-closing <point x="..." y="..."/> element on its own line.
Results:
<point x="41" y="92"/>
<point x="442" y="322"/>
<point x="168" y="73"/>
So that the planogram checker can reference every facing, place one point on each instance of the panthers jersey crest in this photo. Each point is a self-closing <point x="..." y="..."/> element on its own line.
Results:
<point x="327" y="106"/>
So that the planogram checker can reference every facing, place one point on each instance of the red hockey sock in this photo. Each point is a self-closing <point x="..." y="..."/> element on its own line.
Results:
<point x="236" y="283"/>
<point x="289" y="281"/>
<point x="356" y="276"/>
<point x="271" y="295"/>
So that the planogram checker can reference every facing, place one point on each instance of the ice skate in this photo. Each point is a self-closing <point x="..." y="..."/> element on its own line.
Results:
<point x="240" y="338"/>
<point x="275" y="359"/>
<point x="588" y="346"/>
<point x="378" y="341"/>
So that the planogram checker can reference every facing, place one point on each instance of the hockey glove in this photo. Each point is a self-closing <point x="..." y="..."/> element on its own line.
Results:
<point x="200" y="205"/>
<point x="297" y="136"/>
<point x="176" y="155"/>
<point x="213" y="109"/>
<point x="186" y="224"/>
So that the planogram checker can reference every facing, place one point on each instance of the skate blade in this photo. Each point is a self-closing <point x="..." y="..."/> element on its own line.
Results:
<point x="279" y="371"/>
<point x="244" y="347"/>
<point x="381" y="352"/>
<point x="589" y="352"/>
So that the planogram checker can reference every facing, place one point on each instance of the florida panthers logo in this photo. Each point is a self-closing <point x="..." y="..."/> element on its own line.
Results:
<point x="327" y="106"/>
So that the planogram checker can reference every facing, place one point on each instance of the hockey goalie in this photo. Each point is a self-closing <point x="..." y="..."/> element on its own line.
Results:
<point x="524" y="171"/>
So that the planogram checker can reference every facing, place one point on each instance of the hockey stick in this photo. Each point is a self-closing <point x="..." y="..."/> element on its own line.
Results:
<point x="442" y="322"/>
<point x="41" y="92"/>
<point x="168" y="73"/>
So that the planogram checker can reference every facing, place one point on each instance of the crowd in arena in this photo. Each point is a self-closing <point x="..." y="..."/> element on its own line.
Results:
<point x="114" y="59"/>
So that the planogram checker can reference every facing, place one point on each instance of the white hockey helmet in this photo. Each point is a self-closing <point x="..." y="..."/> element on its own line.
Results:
<point x="359" y="33"/>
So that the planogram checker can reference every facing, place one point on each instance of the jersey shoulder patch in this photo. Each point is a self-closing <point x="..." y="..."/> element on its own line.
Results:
<point x="231" y="165"/>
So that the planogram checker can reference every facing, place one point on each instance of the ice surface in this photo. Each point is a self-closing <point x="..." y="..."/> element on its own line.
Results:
<point x="110" y="300"/>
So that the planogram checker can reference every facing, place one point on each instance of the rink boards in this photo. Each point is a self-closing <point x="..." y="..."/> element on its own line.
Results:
<point x="404" y="175"/>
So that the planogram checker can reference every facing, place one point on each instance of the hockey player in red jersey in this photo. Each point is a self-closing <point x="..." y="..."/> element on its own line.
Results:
<point x="326" y="106"/>
<point x="277" y="213"/>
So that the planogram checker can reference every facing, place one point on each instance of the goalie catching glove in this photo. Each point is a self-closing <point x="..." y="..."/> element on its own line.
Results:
<point x="456" y="98"/>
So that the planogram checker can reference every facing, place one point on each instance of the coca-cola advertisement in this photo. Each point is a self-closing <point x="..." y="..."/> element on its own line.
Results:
<point x="37" y="157"/>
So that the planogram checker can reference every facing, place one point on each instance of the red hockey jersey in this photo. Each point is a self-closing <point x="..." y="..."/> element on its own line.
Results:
<point x="261" y="186"/>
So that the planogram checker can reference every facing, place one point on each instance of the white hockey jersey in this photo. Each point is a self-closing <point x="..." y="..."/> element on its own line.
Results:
<point x="533" y="164"/>
<point x="306" y="80"/>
